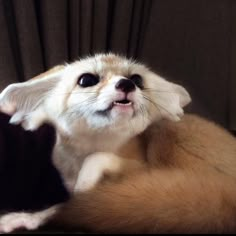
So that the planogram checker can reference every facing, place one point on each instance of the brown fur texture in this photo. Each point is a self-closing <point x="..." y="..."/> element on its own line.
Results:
<point x="186" y="184"/>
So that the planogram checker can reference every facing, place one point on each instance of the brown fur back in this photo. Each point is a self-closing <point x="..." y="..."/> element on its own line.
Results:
<point x="188" y="185"/>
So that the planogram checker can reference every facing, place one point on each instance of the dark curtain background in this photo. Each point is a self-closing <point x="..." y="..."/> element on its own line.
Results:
<point x="192" y="42"/>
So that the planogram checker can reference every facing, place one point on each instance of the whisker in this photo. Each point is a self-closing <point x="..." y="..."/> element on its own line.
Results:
<point x="157" y="105"/>
<point x="158" y="91"/>
<point x="60" y="94"/>
<point x="90" y="101"/>
<point x="146" y="112"/>
<point x="142" y="113"/>
<point x="153" y="103"/>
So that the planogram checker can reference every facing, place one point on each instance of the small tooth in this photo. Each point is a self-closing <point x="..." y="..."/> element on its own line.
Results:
<point x="123" y="104"/>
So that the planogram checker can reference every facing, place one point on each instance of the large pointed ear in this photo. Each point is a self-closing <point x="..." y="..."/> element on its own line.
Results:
<point x="24" y="101"/>
<point x="170" y="98"/>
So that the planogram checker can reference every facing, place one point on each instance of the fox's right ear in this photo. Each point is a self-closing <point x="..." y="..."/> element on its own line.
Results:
<point x="24" y="101"/>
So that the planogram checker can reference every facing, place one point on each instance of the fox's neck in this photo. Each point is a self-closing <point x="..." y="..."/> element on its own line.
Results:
<point x="84" y="144"/>
<point x="70" y="151"/>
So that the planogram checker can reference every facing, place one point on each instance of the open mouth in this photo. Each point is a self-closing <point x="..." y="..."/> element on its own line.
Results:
<point x="122" y="104"/>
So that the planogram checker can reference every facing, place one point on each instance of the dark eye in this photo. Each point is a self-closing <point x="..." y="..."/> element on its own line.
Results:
<point x="88" y="80"/>
<point x="138" y="80"/>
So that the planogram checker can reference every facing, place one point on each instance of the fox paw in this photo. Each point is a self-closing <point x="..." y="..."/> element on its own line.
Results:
<point x="16" y="221"/>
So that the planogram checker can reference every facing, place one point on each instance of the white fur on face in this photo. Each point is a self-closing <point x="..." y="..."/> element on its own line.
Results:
<point x="93" y="106"/>
<point x="59" y="99"/>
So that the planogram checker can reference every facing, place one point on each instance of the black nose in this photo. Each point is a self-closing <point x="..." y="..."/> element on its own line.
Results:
<point x="125" y="85"/>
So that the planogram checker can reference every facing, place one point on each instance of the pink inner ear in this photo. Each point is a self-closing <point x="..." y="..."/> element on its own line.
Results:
<point x="8" y="108"/>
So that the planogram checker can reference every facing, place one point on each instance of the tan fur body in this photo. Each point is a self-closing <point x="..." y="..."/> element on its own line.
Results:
<point x="189" y="185"/>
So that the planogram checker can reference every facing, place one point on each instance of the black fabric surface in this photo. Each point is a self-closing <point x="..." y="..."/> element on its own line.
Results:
<point x="28" y="180"/>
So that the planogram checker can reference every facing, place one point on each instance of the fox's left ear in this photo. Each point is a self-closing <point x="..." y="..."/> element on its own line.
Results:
<point x="184" y="97"/>
<point x="170" y="98"/>
<point x="24" y="102"/>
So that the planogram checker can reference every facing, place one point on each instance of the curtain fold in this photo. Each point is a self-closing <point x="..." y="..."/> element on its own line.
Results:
<point x="8" y="71"/>
<point x="191" y="42"/>
<point x="232" y="82"/>
<point x="27" y="38"/>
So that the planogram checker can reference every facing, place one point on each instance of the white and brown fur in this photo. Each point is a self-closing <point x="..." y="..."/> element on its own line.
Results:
<point x="172" y="173"/>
